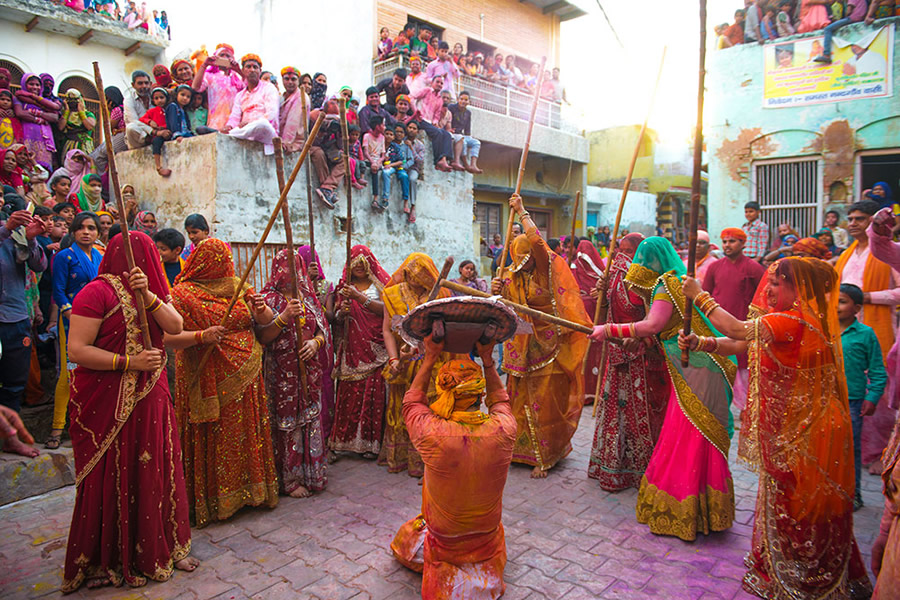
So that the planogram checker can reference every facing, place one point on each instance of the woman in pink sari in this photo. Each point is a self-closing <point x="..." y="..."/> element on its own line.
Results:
<point x="630" y="416"/>
<point x="131" y="511"/>
<point x="362" y="395"/>
<point x="587" y="267"/>
<point x="296" y="412"/>
<point x="813" y="15"/>
<point x="220" y="84"/>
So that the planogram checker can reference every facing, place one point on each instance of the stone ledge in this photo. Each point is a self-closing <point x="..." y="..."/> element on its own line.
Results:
<point x="29" y="477"/>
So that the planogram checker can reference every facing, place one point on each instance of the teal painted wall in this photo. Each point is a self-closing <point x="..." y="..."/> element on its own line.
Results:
<point x="739" y="130"/>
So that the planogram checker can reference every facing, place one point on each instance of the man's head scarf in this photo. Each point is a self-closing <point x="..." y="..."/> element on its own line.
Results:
<point x="252" y="57"/>
<point x="459" y="383"/>
<point x="734" y="233"/>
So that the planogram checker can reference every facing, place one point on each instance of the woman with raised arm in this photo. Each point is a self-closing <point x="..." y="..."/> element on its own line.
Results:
<point x="796" y="432"/>
<point x="687" y="487"/>
<point x="131" y="512"/>
<point x="545" y="383"/>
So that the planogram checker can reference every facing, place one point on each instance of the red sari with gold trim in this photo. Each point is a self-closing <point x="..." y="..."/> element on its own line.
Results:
<point x="131" y="513"/>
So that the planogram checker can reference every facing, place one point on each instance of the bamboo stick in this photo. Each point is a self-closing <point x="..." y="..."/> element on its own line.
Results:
<point x="525" y="310"/>
<point x="695" y="182"/>
<point x="304" y="115"/>
<point x="574" y="220"/>
<point x="259" y="245"/>
<point x="601" y="312"/>
<point x="512" y="215"/>
<point x="345" y="138"/>
<point x="294" y="290"/>
<point x="120" y="204"/>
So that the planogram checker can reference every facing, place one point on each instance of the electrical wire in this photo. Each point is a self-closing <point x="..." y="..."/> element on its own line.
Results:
<point x="608" y="22"/>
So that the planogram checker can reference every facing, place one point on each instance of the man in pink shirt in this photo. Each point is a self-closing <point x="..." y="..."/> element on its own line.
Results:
<point x="445" y="66"/>
<point x="416" y="79"/>
<point x="430" y="106"/>
<point x="254" y="114"/>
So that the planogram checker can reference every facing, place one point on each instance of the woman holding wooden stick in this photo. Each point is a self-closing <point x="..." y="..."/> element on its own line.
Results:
<point x="299" y="437"/>
<point x="222" y="412"/>
<point x="546" y="385"/>
<point x="687" y="487"/>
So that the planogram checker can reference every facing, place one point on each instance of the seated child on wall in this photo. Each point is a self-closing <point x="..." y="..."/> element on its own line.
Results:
<point x="156" y="118"/>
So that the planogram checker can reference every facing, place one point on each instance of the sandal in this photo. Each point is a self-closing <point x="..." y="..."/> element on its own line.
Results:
<point x="53" y="442"/>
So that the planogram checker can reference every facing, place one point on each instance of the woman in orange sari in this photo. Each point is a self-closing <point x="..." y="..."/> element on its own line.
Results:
<point x="796" y="432"/>
<point x="222" y="412"/>
<point x="545" y="384"/>
<point x="131" y="512"/>
<point x="408" y="287"/>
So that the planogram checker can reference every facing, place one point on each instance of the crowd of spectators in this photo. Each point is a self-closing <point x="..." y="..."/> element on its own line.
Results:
<point x="762" y="21"/>
<point x="420" y="42"/>
<point x="137" y="18"/>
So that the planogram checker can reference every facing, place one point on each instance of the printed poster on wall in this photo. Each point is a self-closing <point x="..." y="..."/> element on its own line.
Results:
<point x="859" y="69"/>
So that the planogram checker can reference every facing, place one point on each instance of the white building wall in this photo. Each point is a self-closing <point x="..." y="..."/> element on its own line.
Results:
<point x="335" y="37"/>
<point x="61" y="56"/>
<point x="638" y="215"/>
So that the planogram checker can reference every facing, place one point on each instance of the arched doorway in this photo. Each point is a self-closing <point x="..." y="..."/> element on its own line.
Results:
<point x="91" y="99"/>
<point x="15" y="73"/>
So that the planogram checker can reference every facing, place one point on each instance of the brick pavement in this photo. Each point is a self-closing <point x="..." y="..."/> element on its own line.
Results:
<point x="566" y="538"/>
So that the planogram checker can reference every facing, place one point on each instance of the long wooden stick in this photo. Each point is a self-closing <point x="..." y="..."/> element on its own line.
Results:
<point x="601" y="312"/>
<point x="525" y="310"/>
<point x="294" y="290"/>
<point x="504" y="255"/>
<point x="345" y="137"/>
<point x="276" y="212"/>
<point x="120" y="204"/>
<point x="574" y="220"/>
<point x="304" y="115"/>
<point x="695" y="182"/>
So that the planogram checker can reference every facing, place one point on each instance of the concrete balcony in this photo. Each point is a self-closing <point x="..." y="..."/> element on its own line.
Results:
<point x="500" y="115"/>
<point x="84" y="28"/>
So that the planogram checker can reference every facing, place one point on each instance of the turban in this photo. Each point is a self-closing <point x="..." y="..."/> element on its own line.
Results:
<point x="413" y="59"/>
<point x="459" y="383"/>
<point x="252" y="57"/>
<point x="289" y="70"/>
<point x="735" y="233"/>
<point x="812" y="247"/>
<point x="223" y="46"/>
<point x="403" y="97"/>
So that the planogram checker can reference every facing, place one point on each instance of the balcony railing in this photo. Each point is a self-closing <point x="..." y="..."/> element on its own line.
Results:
<point x="490" y="96"/>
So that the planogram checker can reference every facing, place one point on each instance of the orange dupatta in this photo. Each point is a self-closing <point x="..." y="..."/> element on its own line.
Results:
<point x="876" y="278"/>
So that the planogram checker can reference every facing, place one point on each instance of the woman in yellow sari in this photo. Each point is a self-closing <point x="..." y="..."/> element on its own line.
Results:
<point x="796" y="432"/>
<point x="545" y="384"/>
<point x="408" y="288"/>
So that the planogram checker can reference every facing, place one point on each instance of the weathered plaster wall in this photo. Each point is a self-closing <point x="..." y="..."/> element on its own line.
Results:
<point x="234" y="186"/>
<point x="611" y="150"/>
<point x="739" y="130"/>
<point x="639" y="213"/>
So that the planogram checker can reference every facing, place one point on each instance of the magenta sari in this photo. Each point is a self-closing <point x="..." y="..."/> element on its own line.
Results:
<point x="587" y="268"/>
<point x="296" y="413"/>
<point x="362" y="394"/>
<point x="131" y="511"/>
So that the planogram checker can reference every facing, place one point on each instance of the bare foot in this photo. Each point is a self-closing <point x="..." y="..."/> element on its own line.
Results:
<point x="300" y="492"/>
<point x="537" y="473"/>
<point x="442" y="165"/>
<point x="15" y="446"/>
<point x="333" y="457"/>
<point x="188" y="563"/>
<point x="97" y="582"/>
<point x="457" y="166"/>
<point x="164" y="172"/>
<point x="474" y="170"/>
<point x="358" y="186"/>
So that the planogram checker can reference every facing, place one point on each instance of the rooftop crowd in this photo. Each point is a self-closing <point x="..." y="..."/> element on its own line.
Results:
<point x="762" y="21"/>
<point x="802" y="347"/>
<point x="137" y="18"/>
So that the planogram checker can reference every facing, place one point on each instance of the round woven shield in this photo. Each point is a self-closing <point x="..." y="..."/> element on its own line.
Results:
<point x="464" y="319"/>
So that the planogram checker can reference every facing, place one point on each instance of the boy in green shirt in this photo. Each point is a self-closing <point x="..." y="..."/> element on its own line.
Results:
<point x="863" y="369"/>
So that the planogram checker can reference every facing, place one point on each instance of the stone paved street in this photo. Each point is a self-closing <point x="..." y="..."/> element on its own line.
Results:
<point x="566" y="538"/>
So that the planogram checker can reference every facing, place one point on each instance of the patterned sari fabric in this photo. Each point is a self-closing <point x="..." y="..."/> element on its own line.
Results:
<point x="889" y="576"/>
<point x="326" y="352"/>
<point x="296" y="412"/>
<point x="408" y="287"/>
<point x="361" y="397"/>
<point x="630" y="416"/>
<point x="687" y="487"/>
<point x="797" y="434"/>
<point x="131" y="512"/>
<point x="222" y="413"/>
<point x="546" y="385"/>
<point x="588" y="268"/>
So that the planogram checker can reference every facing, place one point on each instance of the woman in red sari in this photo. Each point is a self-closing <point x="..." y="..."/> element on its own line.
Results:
<point x="362" y="395"/>
<point x="222" y="412"/>
<point x="630" y="416"/>
<point x="588" y="268"/>
<point x="296" y="412"/>
<point x="131" y="513"/>
<point x="796" y="432"/>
